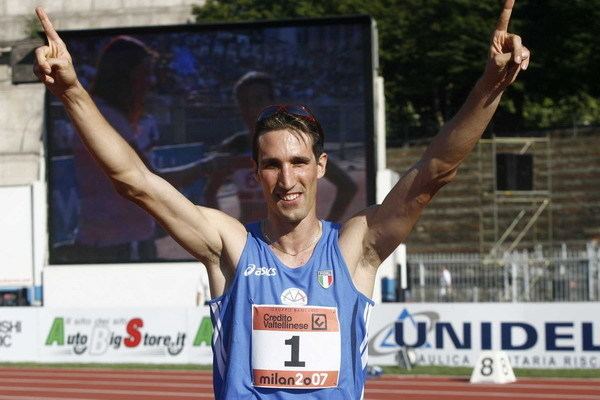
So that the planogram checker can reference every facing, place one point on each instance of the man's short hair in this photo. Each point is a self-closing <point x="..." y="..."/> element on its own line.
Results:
<point x="254" y="77"/>
<point x="297" y="124"/>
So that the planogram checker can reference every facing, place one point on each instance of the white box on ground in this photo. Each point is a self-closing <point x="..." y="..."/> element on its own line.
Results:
<point x="493" y="367"/>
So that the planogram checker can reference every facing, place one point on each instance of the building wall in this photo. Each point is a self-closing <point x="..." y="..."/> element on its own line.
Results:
<point x="17" y="15"/>
<point x="21" y="106"/>
<point x="461" y="216"/>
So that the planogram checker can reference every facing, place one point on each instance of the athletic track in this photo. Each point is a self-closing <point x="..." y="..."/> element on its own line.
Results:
<point x="95" y="384"/>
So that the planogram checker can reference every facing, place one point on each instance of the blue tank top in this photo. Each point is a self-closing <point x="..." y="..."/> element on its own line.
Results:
<point x="322" y="284"/>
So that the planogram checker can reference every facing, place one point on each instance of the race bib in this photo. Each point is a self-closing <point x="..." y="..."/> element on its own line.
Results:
<point x="295" y="347"/>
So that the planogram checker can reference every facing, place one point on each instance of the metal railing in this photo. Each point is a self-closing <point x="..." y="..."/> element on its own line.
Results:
<point x="519" y="276"/>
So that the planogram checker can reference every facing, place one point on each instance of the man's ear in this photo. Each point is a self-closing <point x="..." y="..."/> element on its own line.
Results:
<point x="321" y="165"/>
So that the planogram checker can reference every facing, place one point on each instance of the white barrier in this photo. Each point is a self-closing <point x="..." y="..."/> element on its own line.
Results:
<point x="112" y="285"/>
<point x="16" y="236"/>
<point x="533" y="335"/>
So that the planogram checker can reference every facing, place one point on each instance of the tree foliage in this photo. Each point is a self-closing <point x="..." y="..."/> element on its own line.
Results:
<point x="432" y="52"/>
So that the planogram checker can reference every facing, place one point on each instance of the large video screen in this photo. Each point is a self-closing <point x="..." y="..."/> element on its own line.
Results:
<point x="186" y="99"/>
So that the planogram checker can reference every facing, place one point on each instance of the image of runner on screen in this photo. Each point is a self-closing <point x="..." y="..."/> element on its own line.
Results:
<point x="254" y="91"/>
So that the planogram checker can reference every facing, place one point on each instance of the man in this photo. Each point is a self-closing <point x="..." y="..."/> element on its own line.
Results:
<point x="291" y="293"/>
<point x="445" y="284"/>
<point x="253" y="92"/>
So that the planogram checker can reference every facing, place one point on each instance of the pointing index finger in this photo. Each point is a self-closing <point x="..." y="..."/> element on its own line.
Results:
<point x="502" y="24"/>
<point x="47" y="25"/>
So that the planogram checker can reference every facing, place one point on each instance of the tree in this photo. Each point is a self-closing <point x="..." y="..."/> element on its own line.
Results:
<point x="564" y="82"/>
<point x="432" y="51"/>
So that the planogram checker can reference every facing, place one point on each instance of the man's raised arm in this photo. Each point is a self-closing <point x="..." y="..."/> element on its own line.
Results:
<point x="383" y="228"/>
<point x="54" y="67"/>
<point x="197" y="229"/>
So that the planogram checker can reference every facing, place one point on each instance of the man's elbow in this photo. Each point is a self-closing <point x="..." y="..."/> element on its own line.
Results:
<point x="129" y="186"/>
<point x="435" y="179"/>
<point x="441" y="173"/>
<point x="447" y="177"/>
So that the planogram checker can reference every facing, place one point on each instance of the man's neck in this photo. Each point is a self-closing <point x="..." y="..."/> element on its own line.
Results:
<point x="292" y="239"/>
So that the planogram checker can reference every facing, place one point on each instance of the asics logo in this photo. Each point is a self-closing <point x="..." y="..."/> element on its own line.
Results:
<point x="252" y="269"/>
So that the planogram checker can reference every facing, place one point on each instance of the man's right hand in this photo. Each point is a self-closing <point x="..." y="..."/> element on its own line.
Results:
<point x="508" y="56"/>
<point x="53" y="64"/>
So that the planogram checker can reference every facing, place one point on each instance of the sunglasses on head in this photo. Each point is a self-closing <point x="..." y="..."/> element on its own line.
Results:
<point x="297" y="110"/>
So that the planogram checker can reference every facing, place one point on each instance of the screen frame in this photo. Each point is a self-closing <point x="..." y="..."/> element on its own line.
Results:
<point x="370" y="57"/>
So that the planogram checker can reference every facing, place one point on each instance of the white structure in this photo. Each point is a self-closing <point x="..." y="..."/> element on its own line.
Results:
<point x="493" y="367"/>
<point x="22" y="176"/>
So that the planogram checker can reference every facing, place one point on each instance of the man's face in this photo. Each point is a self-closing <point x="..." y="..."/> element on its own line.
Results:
<point x="288" y="172"/>
<point x="252" y="99"/>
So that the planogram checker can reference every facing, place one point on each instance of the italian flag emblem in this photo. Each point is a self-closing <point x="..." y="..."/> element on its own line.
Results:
<point x="325" y="278"/>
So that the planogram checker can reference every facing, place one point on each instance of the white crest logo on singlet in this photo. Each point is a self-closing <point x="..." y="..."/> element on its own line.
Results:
<point x="294" y="297"/>
<point x="252" y="269"/>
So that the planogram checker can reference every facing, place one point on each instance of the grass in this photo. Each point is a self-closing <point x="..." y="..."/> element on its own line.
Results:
<point x="418" y="370"/>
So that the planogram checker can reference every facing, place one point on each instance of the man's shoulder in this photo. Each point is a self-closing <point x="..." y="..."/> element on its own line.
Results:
<point x="332" y="225"/>
<point x="254" y="231"/>
<point x="354" y="229"/>
<point x="253" y="227"/>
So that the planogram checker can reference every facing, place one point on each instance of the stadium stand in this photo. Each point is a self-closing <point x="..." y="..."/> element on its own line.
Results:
<point x="463" y="218"/>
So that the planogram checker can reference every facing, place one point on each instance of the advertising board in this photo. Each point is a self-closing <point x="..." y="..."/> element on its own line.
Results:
<point x="18" y="333"/>
<point x="533" y="335"/>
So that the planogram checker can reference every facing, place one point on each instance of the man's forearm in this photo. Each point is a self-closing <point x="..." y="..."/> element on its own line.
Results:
<point x="459" y="135"/>
<point x="112" y="152"/>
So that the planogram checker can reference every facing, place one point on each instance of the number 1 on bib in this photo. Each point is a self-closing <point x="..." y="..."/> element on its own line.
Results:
<point x="295" y="347"/>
